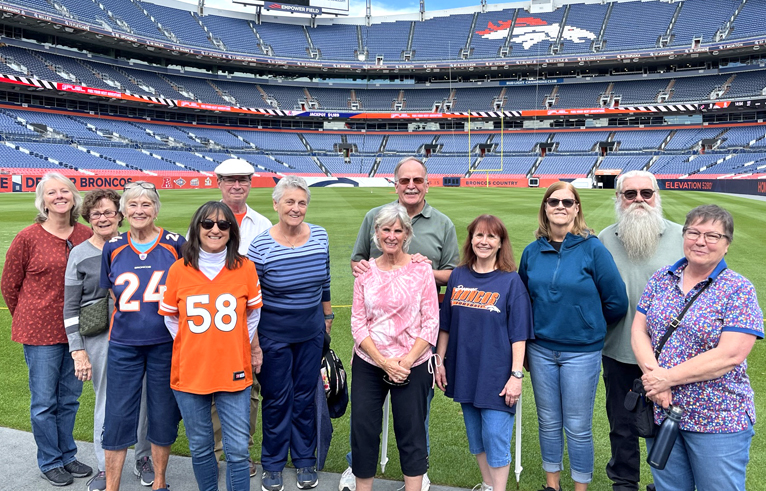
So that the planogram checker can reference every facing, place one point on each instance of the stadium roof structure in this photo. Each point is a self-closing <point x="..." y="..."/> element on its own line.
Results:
<point x="549" y="43"/>
<point x="495" y="41"/>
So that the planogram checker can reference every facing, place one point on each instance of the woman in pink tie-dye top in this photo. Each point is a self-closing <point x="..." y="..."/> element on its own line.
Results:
<point x="395" y="324"/>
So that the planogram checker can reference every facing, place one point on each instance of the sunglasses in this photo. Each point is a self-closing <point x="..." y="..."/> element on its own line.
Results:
<point x="554" y="202"/>
<point x="208" y="224"/>
<point x="390" y="382"/>
<point x="405" y="181"/>
<point x="631" y="194"/>
<point x="140" y="184"/>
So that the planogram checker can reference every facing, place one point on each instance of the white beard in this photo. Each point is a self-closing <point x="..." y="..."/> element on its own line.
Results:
<point x="639" y="227"/>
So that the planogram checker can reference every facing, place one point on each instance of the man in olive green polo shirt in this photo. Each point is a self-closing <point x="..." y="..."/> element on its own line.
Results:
<point x="434" y="234"/>
<point x="433" y="237"/>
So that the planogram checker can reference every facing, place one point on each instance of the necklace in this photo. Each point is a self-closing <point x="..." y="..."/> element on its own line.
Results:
<point x="292" y="245"/>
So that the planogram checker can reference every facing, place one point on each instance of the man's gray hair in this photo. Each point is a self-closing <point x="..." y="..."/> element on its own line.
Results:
<point x="290" y="182"/>
<point x="388" y="215"/>
<point x="409" y="159"/>
<point x="635" y="173"/>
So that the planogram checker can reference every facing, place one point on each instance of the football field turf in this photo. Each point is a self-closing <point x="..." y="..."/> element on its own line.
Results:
<point x="340" y="211"/>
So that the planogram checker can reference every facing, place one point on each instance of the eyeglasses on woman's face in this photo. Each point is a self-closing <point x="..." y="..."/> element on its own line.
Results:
<point x="95" y="215"/>
<point x="710" y="237"/>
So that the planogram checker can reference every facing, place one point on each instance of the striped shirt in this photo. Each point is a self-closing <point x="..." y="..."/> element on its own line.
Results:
<point x="294" y="283"/>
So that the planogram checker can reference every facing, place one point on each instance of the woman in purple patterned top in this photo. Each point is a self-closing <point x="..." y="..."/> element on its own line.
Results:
<point x="702" y="367"/>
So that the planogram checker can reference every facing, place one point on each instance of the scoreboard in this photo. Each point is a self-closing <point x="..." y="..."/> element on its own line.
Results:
<point x="312" y="7"/>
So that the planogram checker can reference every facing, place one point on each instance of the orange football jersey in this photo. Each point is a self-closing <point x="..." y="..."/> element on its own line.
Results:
<point x="211" y="352"/>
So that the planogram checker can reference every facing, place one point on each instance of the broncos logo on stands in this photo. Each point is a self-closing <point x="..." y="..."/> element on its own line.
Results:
<point x="530" y="31"/>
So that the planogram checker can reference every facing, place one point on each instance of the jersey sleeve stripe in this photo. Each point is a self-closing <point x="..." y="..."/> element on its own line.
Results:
<point x="166" y="309"/>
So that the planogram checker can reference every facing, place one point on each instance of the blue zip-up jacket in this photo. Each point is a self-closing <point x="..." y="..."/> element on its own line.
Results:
<point x="575" y="293"/>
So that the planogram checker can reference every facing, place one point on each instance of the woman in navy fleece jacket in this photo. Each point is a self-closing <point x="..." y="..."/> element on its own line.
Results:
<point x="576" y="291"/>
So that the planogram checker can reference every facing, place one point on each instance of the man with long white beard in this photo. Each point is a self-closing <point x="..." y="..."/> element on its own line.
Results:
<point x="641" y="242"/>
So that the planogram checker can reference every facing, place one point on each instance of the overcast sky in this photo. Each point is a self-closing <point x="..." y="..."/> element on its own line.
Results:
<point x="357" y="7"/>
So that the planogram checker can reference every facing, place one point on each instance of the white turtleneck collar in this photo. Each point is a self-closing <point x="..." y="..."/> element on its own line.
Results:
<point x="211" y="263"/>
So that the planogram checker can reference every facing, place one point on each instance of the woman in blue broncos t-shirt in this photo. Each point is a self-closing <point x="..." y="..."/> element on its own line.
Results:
<point x="486" y="318"/>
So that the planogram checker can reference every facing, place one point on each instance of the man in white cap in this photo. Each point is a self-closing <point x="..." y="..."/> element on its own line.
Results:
<point x="234" y="180"/>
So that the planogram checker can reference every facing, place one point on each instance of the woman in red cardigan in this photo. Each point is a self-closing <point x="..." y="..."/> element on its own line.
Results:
<point x="33" y="289"/>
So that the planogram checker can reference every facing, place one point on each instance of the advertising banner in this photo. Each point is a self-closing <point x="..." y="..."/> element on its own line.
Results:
<point x="87" y="183"/>
<point x="732" y="186"/>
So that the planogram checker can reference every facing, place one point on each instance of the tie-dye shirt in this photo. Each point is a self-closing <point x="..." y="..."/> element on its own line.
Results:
<point x="724" y="404"/>
<point x="394" y="308"/>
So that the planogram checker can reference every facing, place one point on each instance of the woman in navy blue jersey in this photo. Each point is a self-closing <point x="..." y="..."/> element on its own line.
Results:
<point x="134" y="267"/>
<point x="486" y="319"/>
<point x="293" y="263"/>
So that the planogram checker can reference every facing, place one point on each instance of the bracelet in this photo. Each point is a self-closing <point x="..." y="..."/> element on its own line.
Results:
<point x="384" y="362"/>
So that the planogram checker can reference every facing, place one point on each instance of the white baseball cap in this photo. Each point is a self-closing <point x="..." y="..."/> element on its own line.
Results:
<point x="234" y="167"/>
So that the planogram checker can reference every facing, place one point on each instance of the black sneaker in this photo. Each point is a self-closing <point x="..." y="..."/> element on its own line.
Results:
<point x="78" y="469"/>
<point x="58" y="476"/>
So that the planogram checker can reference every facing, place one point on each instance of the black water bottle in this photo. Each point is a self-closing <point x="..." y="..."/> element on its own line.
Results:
<point x="665" y="439"/>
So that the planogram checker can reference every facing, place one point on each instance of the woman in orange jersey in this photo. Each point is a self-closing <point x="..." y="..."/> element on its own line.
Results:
<point x="212" y="306"/>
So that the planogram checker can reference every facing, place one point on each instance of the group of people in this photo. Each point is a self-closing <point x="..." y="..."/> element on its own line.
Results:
<point x="191" y="324"/>
<point x="203" y="324"/>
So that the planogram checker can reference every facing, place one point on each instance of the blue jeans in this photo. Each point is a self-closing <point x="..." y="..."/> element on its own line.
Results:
<point x="489" y="431"/>
<point x="707" y="461"/>
<point x="565" y="385"/>
<point x="234" y="413"/>
<point x="54" y="393"/>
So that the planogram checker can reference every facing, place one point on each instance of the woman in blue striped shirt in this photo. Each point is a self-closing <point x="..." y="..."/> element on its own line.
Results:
<point x="293" y="263"/>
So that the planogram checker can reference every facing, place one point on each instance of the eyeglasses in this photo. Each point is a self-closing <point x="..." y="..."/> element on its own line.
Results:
<point x="554" y="202"/>
<point x="244" y="180"/>
<point x="631" y="194"/>
<point x="95" y="215"/>
<point x="140" y="184"/>
<point x="69" y="247"/>
<point x="207" y="224"/>
<point x="710" y="237"/>
<point x="405" y="181"/>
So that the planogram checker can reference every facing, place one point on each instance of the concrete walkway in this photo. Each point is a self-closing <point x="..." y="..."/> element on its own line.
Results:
<point x="21" y="472"/>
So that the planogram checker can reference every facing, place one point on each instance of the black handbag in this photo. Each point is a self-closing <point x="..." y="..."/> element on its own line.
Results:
<point x="636" y="401"/>
<point x="643" y="411"/>
<point x="94" y="318"/>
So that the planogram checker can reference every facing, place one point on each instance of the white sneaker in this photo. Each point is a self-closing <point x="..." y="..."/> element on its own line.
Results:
<point x="425" y="485"/>
<point x="482" y="487"/>
<point x="347" y="481"/>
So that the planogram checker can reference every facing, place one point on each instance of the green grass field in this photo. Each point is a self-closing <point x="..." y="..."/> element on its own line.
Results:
<point x="340" y="211"/>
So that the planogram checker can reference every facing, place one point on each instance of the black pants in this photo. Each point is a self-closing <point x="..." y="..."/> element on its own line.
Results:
<point x="624" y="468"/>
<point x="409" y="406"/>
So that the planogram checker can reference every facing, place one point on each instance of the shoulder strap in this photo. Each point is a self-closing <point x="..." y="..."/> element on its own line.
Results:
<point x="677" y="320"/>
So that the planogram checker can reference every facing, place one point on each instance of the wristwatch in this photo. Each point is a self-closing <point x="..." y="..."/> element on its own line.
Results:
<point x="517" y="374"/>
<point x="330" y="316"/>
